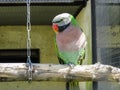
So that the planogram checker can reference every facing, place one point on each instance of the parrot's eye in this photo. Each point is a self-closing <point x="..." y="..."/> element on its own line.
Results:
<point x="61" y="20"/>
<point x="58" y="21"/>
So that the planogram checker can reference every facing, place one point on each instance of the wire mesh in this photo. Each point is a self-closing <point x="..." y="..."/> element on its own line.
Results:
<point x="107" y="14"/>
<point x="108" y="32"/>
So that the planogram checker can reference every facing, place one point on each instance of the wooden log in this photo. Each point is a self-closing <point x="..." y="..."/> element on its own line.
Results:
<point x="54" y="72"/>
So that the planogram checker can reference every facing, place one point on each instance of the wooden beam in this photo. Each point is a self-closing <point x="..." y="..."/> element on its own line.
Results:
<point x="54" y="72"/>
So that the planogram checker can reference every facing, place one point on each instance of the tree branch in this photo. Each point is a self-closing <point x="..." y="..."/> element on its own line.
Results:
<point x="53" y="72"/>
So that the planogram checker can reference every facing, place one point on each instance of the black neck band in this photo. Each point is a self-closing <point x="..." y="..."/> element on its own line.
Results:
<point x="62" y="28"/>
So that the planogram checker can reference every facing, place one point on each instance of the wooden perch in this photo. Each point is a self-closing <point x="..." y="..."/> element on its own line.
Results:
<point x="53" y="72"/>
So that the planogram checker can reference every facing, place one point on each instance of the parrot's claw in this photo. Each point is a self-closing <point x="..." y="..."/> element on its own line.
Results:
<point x="71" y="65"/>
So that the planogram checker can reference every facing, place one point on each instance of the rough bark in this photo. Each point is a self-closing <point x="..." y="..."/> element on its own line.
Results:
<point x="54" y="72"/>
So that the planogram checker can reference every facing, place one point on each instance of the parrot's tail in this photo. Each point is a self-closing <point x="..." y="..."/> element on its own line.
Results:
<point x="74" y="85"/>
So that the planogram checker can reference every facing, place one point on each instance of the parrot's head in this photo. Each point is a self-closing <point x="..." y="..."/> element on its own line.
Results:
<point x="61" y="22"/>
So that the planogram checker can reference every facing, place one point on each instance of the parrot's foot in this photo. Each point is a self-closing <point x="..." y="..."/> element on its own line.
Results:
<point x="71" y="65"/>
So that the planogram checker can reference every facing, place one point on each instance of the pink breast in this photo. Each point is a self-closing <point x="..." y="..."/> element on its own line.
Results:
<point x="69" y="40"/>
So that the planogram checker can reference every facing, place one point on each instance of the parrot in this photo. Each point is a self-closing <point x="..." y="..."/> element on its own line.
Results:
<point x="70" y="43"/>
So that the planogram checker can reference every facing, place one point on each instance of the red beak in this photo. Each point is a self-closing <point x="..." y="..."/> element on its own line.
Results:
<point x="55" y="28"/>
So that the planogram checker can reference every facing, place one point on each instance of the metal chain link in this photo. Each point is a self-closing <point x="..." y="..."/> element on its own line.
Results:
<point x="29" y="63"/>
<point x="28" y="29"/>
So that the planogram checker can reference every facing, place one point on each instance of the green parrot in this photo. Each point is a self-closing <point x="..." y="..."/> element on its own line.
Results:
<point x="70" y="43"/>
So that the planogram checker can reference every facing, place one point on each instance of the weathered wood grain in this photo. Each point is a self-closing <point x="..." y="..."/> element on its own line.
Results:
<point x="57" y="72"/>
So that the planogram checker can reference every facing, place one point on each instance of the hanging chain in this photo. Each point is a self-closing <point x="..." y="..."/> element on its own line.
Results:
<point x="28" y="29"/>
<point x="29" y="63"/>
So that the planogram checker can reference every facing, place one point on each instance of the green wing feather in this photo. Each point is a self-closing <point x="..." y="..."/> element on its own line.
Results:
<point x="57" y="52"/>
